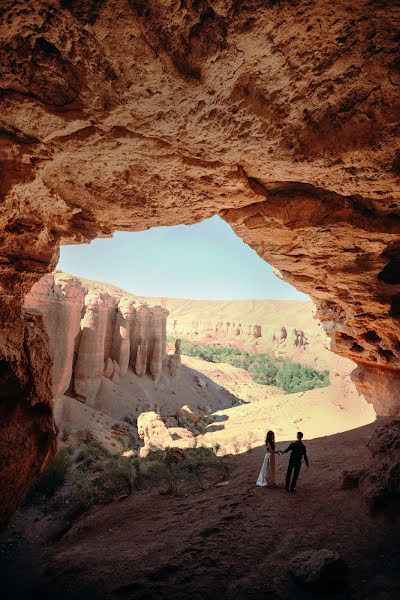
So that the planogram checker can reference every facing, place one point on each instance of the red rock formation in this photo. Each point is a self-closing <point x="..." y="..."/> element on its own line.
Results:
<point x="127" y="115"/>
<point x="59" y="298"/>
<point x="82" y="319"/>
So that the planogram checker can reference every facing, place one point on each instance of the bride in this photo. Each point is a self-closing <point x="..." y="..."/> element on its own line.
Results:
<point x="266" y="477"/>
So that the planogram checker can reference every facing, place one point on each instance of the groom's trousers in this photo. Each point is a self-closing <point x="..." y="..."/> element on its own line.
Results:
<point x="293" y="467"/>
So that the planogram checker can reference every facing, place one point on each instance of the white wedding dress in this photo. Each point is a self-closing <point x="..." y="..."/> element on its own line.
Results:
<point x="266" y="477"/>
<point x="265" y="472"/>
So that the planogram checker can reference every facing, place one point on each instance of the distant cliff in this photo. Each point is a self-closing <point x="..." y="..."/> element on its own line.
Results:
<point x="284" y="328"/>
<point x="94" y="333"/>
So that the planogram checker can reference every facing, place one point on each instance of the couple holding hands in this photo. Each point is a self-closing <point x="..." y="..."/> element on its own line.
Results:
<point x="297" y="451"/>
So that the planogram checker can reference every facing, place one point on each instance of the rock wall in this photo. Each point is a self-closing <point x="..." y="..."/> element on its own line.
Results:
<point x="90" y="333"/>
<point x="277" y="327"/>
<point x="124" y="115"/>
<point x="296" y="230"/>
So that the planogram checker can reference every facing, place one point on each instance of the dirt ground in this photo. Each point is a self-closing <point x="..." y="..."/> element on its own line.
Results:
<point x="230" y="541"/>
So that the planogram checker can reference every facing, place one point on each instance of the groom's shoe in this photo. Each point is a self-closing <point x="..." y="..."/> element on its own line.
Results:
<point x="293" y="490"/>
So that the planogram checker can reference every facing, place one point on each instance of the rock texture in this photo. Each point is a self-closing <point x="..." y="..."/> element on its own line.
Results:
<point x="296" y="232"/>
<point x="282" y="116"/>
<point x="90" y="333"/>
<point x="153" y="432"/>
<point x="284" y="328"/>
<point x="322" y="569"/>
<point x="59" y="298"/>
<point x="174" y="360"/>
<point x="380" y="482"/>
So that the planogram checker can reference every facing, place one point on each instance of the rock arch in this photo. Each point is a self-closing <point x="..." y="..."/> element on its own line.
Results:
<point x="123" y="115"/>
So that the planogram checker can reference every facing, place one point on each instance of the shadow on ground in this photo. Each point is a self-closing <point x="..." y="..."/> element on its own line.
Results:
<point x="228" y="540"/>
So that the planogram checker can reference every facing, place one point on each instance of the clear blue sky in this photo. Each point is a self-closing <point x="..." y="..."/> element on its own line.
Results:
<point x="203" y="261"/>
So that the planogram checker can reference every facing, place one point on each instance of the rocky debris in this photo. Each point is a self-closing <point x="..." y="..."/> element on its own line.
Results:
<point x="379" y="483"/>
<point x="108" y="368"/>
<point x="202" y="383"/>
<point x="351" y="479"/>
<point x="321" y="570"/>
<point x="170" y="421"/>
<point x="153" y="432"/>
<point x="156" y="361"/>
<point x="191" y="420"/>
<point x="181" y="433"/>
<point x="174" y="360"/>
<point x="116" y="372"/>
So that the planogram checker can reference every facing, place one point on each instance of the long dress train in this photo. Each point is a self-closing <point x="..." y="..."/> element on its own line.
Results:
<point x="266" y="477"/>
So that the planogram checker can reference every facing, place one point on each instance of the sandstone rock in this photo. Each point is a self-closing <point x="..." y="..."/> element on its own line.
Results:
<point x="351" y="479"/>
<point x="202" y="383"/>
<point x="201" y="111"/>
<point x="170" y="422"/>
<point x="322" y="569"/>
<point x="174" y="360"/>
<point x="90" y="360"/>
<point x="141" y="358"/>
<point x="191" y="420"/>
<point x="116" y="372"/>
<point x="256" y="331"/>
<point x="152" y="431"/>
<point x="155" y="366"/>
<point x="379" y="483"/>
<point x="59" y="298"/>
<point x="109" y="368"/>
<point x="181" y="433"/>
<point x="121" y="343"/>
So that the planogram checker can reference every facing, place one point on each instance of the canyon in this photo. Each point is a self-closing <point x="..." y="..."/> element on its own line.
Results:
<point x="109" y="363"/>
<point x="281" y="117"/>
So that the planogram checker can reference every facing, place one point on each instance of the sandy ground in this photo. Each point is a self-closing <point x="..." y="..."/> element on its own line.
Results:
<point x="242" y="409"/>
<point x="318" y="412"/>
<point x="233" y="541"/>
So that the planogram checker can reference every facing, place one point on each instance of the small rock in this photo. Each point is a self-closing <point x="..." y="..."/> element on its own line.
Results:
<point x="320" y="569"/>
<point x="351" y="479"/>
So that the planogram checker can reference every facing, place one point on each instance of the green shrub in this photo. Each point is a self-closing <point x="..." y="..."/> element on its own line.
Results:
<point x="293" y="377"/>
<point x="66" y="433"/>
<point x="290" y="377"/>
<point x="54" y="475"/>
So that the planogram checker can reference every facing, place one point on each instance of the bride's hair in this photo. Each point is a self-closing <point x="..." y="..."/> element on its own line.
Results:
<point x="270" y="440"/>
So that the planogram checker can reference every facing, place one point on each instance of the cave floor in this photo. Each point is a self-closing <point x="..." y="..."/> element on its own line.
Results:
<point x="231" y="541"/>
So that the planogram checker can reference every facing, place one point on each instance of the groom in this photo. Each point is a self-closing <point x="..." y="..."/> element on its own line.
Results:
<point x="297" y="451"/>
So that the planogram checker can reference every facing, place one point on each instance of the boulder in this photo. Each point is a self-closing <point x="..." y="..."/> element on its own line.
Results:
<point x="380" y="481"/>
<point x="191" y="420"/>
<point x="321" y="569"/>
<point x="152" y="431"/>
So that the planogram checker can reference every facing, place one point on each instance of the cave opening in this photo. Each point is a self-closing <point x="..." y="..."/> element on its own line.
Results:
<point x="217" y="296"/>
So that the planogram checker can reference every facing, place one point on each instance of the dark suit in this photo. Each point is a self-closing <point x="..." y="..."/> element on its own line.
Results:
<point x="297" y="452"/>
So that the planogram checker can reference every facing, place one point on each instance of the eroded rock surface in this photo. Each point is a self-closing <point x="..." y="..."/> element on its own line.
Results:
<point x="283" y="116"/>
<point x="90" y="333"/>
